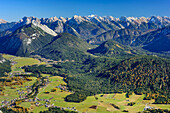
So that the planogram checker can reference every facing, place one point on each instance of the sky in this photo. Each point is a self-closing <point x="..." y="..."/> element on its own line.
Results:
<point x="14" y="10"/>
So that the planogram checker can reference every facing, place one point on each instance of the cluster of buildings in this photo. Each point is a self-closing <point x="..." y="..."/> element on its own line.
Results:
<point x="62" y="87"/>
<point x="148" y="107"/>
<point x="47" y="103"/>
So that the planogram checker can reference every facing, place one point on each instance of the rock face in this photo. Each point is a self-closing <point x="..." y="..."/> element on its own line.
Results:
<point x="36" y="22"/>
<point x="2" y="21"/>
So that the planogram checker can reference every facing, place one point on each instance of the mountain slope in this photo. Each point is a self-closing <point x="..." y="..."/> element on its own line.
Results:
<point x="118" y="35"/>
<point x="6" y="26"/>
<point x="112" y="48"/>
<point x="24" y="40"/>
<point x="147" y="38"/>
<point x="142" y="74"/>
<point x="155" y="41"/>
<point x="161" y="45"/>
<point x="86" y="29"/>
<point x="64" y="47"/>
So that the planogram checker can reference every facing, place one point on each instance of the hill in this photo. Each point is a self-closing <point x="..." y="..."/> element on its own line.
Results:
<point x="114" y="49"/>
<point x="64" y="47"/>
<point x="142" y="74"/>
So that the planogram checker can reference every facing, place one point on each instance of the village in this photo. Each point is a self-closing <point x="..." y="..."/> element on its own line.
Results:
<point x="24" y="96"/>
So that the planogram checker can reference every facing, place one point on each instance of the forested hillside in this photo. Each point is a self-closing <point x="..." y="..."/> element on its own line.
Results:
<point x="113" y="49"/>
<point x="65" y="47"/>
<point x="142" y="74"/>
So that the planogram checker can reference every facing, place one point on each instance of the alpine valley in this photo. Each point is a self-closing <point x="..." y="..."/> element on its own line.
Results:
<point x="93" y="64"/>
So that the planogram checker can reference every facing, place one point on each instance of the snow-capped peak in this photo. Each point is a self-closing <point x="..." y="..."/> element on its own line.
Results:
<point x="91" y="16"/>
<point x="76" y="19"/>
<point x="62" y="19"/>
<point x="156" y="19"/>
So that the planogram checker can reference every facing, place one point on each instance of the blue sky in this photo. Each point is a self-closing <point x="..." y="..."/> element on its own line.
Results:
<point x="14" y="10"/>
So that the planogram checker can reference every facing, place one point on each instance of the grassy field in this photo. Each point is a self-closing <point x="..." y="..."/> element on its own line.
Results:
<point x="20" y="61"/>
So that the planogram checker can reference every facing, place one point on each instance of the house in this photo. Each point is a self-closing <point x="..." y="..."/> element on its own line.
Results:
<point x="148" y="107"/>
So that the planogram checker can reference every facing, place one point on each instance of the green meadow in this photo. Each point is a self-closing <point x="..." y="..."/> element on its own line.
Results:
<point x="20" y="61"/>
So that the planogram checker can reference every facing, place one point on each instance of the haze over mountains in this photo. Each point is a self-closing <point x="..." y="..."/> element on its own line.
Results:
<point x="30" y="33"/>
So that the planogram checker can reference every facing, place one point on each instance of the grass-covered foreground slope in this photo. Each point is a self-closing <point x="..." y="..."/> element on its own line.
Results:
<point x="65" y="47"/>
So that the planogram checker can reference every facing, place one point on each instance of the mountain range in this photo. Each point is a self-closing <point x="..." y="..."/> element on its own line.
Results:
<point x="32" y="35"/>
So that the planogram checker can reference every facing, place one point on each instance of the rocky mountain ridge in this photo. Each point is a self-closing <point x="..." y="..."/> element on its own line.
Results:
<point x="118" y="23"/>
<point x="31" y="33"/>
<point x="2" y="21"/>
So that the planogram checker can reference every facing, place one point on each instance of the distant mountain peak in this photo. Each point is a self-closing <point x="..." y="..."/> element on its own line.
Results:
<point x="2" y="21"/>
<point x="63" y="19"/>
<point x="76" y="19"/>
<point x="92" y="16"/>
<point x="123" y="18"/>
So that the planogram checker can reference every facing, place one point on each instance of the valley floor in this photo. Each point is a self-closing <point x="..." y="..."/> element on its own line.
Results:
<point x="101" y="103"/>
